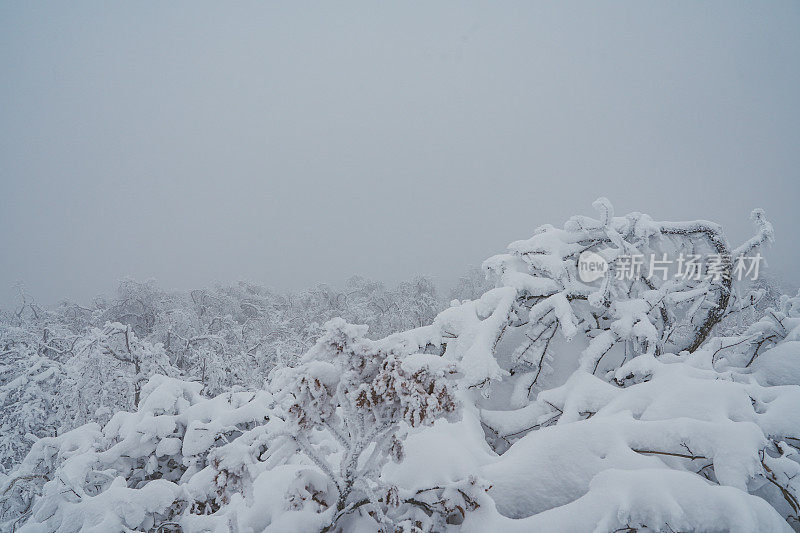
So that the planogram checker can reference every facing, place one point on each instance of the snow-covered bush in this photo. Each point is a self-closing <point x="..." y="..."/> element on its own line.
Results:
<point x="192" y="462"/>
<point x="108" y="370"/>
<point x="224" y="337"/>
<point x="362" y="396"/>
<point x="33" y="348"/>
<point x="697" y="414"/>
<point x="29" y="385"/>
<point x="127" y="475"/>
<point x="546" y="403"/>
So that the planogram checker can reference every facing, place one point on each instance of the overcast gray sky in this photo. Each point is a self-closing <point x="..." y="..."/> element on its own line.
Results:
<point x="293" y="143"/>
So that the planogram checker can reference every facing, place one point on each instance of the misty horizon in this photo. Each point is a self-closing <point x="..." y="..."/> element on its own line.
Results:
<point x="291" y="147"/>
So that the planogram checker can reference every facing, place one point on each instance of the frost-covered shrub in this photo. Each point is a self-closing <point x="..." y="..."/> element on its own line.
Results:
<point x="108" y="370"/>
<point x="542" y="404"/>
<point x="223" y="337"/>
<point x="192" y="462"/>
<point x="129" y="474"/>
<point x="33" y="348"/>
<point x="719" y="421"/>
<point x="630" y="311"/>
<point x="363" y="396"/>
<point x="29" y="385"/>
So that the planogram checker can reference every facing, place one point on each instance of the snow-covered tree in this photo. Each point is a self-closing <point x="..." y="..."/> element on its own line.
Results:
<point x="108" y="370"/>
<point x="29" y="400"/>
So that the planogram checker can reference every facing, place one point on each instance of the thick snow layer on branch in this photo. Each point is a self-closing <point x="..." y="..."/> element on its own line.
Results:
<point x="619" y="500"/>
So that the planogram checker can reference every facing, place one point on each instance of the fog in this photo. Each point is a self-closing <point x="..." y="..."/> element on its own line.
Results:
<point x="293" y="143"/>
